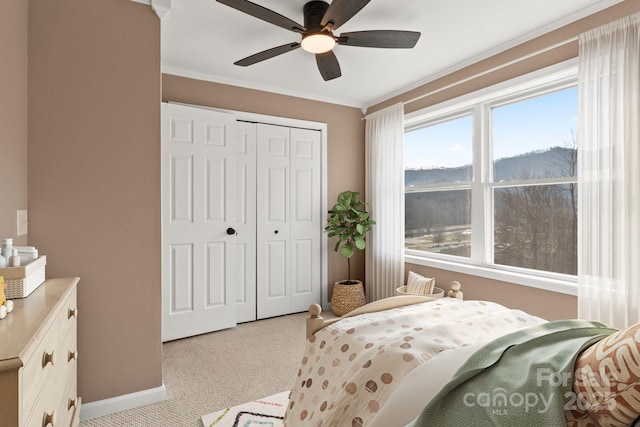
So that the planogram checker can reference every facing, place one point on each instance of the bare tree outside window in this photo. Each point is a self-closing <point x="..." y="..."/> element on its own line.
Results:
<point x="536" y="225"/>
<point x="535" y="228"/>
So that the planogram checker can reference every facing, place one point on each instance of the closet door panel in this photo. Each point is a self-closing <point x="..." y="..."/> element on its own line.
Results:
<point x="276" y="278"/>
<point x="306" y="220"/>
<point x="215" y="187"/>
<point x="215" y="278"/>
<point x="273" y="218"/>
<point x="276" y="199"/>
<point x="246" y="220"/>
<point x="181" y="280"/>
<point x="303" y="267"/>
<point x="181" y="196"/>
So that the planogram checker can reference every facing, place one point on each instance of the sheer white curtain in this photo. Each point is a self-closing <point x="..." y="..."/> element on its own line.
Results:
<point x="609" y="173"/>
<point x="384" y="191"/>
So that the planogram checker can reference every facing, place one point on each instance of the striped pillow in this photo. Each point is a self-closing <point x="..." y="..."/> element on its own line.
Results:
<point x="420" y="285"/>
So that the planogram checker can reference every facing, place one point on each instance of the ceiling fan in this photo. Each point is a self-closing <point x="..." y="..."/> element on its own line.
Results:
<point x="321" y="19"/>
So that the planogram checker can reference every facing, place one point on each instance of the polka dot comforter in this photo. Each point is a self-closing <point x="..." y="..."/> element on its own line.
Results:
<point x="351" y="367"/>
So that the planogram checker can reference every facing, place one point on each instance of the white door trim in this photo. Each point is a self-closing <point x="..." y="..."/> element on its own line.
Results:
<point x="306" y="124"/>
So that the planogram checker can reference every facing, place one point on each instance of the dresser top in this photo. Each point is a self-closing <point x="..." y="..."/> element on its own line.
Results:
<point x="30" y="318"/>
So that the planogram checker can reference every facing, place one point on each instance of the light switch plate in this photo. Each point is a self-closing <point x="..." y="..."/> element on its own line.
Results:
<point x="23" y="223"/>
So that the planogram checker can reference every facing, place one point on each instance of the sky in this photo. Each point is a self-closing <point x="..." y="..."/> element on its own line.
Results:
<point x="534" y="124"/>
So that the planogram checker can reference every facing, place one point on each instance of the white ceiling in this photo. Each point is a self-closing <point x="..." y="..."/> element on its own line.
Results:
<point x="203" y="38"/>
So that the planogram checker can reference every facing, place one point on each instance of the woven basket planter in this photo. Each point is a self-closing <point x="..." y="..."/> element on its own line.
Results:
<point x="347" y="297"/>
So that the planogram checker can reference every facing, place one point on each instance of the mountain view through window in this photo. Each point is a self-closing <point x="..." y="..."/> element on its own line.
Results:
<point x="529" y="187"/>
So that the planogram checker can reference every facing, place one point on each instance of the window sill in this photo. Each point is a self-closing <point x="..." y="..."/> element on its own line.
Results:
<point x="569" y="287"/>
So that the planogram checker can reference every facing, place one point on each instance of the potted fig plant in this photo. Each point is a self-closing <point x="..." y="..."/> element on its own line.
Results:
<point x="349" y="222"/>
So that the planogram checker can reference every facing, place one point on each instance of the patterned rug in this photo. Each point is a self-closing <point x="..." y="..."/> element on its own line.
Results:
<point x="265" y="412"/>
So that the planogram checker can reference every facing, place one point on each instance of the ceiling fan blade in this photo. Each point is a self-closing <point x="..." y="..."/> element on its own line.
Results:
<point x="328" y="65"/>
<point x="266" y="54"/>
<point x="264" y="14"/>
<point x="380" y="38"/>
<point x="340" y="11"/>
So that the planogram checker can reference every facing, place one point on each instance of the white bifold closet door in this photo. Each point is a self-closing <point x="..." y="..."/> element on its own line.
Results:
<point x="289" y="228"/>
<point x="198" y="216"/>
<point x="241" y="220"/>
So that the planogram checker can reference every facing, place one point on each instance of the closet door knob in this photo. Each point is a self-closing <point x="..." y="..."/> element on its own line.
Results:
<point x="231" y="231"/>
<point x="73" y="312"/>
<point x="275" y="232"/>
<point x="73" y="355"/>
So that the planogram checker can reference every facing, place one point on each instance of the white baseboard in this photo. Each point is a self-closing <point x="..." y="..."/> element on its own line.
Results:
<point x="122" y="403"/>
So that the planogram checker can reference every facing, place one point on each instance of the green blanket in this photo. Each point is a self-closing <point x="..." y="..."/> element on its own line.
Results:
<point x="521" y="379"/>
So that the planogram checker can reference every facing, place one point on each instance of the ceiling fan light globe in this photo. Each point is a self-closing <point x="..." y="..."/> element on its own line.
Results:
<point x="318" y="43"/>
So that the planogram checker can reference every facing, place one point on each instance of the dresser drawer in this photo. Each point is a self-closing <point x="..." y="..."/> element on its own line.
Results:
<point x="68" y="332"/>
<point x="68" y="364"/>
<point x="68" y="354"/>
<point x="52" y="408"/>
<point x="39" y="367"/>
<point x="67" y="319"/>
<point x="70" y="405"/>
<point x="46" y="413"/>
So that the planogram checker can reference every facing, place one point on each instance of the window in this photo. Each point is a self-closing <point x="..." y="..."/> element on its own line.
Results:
<point x="490" y="180"/>
<point x="438" y="174"/>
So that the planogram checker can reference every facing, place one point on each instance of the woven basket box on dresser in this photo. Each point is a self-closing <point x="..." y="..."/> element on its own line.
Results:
<point x="23" y="280"/>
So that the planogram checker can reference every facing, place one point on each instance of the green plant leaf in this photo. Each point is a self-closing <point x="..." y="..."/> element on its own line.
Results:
<point x="347" y="250"/>
<point x="344" y="198"/>
<point x="348" y="222"/>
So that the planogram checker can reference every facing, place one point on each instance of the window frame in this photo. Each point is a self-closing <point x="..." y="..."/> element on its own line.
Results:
<point x="480" y="103"/>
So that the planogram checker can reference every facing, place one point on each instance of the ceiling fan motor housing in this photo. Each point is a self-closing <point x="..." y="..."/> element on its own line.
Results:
<point x="313" y="13"/>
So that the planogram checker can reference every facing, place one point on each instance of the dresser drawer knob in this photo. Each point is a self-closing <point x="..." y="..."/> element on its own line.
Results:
<point x="48" y="358"/>
<point x="49" y="419"/>
<point x="73" y="355"/>
<point x="72" y="313"/>
<point x="73" y="403"/>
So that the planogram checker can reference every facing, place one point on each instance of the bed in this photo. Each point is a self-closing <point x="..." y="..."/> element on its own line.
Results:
<point x="395" y="362"/>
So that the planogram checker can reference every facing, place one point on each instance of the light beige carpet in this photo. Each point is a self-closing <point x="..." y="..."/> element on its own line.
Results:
<point x="214" y="371"/>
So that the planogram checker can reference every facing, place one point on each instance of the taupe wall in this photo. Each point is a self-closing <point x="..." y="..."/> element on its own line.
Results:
<point x="13" y="115"/>
<point x="94" y="179"/>
<point x="345" y="136"/>
<point x="548" y="305"/>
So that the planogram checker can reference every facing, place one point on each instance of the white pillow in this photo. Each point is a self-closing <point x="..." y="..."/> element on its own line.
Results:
<point x="420" y="285"/>
<point x="420" y="386"/>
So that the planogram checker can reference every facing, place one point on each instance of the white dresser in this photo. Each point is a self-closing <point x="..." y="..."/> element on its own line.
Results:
<point x="38" y="354"/>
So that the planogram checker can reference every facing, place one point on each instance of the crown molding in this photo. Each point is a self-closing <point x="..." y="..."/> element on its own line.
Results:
<point x="265" y="88"/>
<point x="160" y="7"/>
